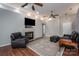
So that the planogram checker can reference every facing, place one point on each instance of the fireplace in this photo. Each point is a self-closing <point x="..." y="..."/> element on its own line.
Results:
<point x="29" y="35"/>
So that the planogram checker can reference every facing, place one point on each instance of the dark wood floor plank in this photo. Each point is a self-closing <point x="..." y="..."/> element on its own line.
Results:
<point x="8" y="51"/>
<point x="71" y="52"/>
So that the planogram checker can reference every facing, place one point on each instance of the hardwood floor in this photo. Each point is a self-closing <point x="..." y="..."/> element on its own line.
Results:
<point x="73" y="52"/>
<point x="8" y="51"/>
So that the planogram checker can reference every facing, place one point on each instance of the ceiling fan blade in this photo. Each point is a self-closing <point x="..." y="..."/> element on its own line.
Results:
<point x="56" y="15"/>
<point x="33" y="8"/>
<point x="24" y="5"/>
<point x="39" y="4"/>
<point x="52" y="16"/>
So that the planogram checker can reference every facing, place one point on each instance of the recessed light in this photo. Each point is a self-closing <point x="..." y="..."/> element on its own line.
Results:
<point x="28" y="14"/>
<point x="36" y="16"/>
<point x="41" y="18"/>
<point x="37" y="12"/>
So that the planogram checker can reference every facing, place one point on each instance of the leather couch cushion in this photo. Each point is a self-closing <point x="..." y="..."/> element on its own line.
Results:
<point x="17" y="35"/>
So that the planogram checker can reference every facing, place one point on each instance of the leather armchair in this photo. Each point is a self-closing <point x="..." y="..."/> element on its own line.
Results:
<point x="18" y="41"/>
<point x="71" y="37"/>
<point x="71" y="42"/>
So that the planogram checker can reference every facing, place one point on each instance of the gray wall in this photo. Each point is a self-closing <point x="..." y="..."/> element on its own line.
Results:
<point x="9" y="22"/>
<point x="13" y="22"/>
<point x="76" y="22"/>
<point x="53" y="27"/>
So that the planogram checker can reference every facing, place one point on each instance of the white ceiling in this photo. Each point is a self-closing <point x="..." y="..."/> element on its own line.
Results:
<point x="58" y="8"/>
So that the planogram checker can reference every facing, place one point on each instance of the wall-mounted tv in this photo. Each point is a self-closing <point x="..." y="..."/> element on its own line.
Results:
<point x="29" y="22"/>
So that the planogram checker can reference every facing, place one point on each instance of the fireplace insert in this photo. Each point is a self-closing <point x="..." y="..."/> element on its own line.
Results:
<point x="29" y="35"/>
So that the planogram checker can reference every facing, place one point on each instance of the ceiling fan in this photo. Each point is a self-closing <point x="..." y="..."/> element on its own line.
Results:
<point x="53" y="15"/>
<point x="33" y="5"/>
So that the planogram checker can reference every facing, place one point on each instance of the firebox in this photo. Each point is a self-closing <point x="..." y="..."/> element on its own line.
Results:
<point x="29" y="35"/>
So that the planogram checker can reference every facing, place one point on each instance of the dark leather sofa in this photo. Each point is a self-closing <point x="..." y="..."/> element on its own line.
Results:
<point x="72" y="37"/>
<point x="18" y="41"/>
<point x="70" y="41"/>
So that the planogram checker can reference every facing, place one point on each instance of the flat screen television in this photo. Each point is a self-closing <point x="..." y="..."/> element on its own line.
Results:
<point x="29" y="22"/>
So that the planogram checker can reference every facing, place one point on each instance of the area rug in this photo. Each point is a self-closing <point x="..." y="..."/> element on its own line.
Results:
<point x="70" y="52"/>
<point x="44" y="47"/>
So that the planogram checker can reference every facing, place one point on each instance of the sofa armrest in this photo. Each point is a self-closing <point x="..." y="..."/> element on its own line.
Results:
<point x="67" y="35"/>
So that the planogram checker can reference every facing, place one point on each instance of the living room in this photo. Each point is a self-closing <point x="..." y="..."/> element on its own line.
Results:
<point x="48" y="20"/>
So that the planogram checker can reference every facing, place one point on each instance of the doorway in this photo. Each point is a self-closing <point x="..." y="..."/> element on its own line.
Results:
<point x="67" y="28"/>
<point x="43" y="29"/>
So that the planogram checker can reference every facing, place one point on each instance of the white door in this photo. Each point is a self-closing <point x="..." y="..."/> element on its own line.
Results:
<point x="67" y="28"/>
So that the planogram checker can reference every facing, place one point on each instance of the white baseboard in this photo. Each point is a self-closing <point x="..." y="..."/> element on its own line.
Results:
<point x="5" y="44"/>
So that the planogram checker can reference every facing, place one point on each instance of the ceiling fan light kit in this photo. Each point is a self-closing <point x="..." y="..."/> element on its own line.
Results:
<point x="53" y="15"/>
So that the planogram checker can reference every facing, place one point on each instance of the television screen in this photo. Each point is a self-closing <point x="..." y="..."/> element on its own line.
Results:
<point x="29" y="21"/>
